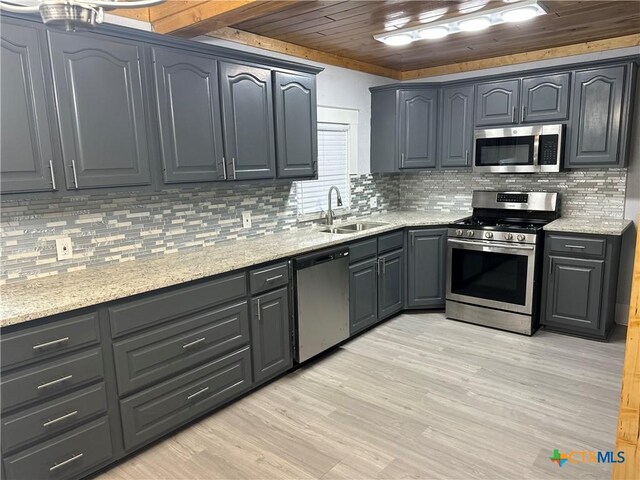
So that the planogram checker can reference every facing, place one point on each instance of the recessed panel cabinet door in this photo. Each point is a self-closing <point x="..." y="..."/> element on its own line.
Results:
<point x="596" y="118"/>
<point x="101" y="111"/>
<point x="418" y="129"/>
<point x="270" y="334"/>
<point x="545" y="98"/>
<point x="189" y="114"/>
<point x="25" y="140"/>
<point x="497" y="103"/>
<point x="247" y="106"/>
<point x="296" y="125"/>
<point x="426" y="268"/>
<point x="363" y="295"/>
<point x="390" y="283"/>
<point x="574" y="293"/>
<point x="456" y="129"/>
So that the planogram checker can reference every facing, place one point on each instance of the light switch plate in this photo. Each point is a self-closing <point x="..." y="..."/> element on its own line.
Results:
<point x="246" y="219"/>
<point x="64" y="248"/>
<point x="373" y="202"/>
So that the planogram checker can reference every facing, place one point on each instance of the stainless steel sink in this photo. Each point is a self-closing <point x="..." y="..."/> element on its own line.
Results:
<point x="352" y="227"/>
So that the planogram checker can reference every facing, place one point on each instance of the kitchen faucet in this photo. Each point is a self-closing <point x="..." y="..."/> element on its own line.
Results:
<point x="330" y="214"/>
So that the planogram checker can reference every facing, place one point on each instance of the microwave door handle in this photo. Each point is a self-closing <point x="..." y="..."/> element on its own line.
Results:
<point x="536" y="148"/>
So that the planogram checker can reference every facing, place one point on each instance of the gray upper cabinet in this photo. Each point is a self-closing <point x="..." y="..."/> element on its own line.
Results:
<point x="497" y="102"/>
<point x="25" y="139"/>
<point x="456" y="126"/>
<point x="101" y="111"/>
<point x="596" y="118"/>
<point x="247" y="105"/>
<point x="296" y="125"/>
<point x="190" y="121"/>
<point x="545" y="98"/>
<point x="418" y="129"/>
<point x="426" y="262"/>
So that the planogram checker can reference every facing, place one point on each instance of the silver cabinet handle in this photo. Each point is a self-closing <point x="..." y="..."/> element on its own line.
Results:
<point x="52" y="343"/>
<point x="384" y="266"/>
<point x="75" y="174"/>
<point x="48" y="423"/>
<point x="413" y="238"/>
<point x="513" y="115"/>
<point x="581" y="247"/>
<point x="53" y="176"/>
<point x="466" y="157"/>
<point x="66" y="462"/>
<point x="273" y="278"/>
<point x="233" y="165"/>
<point x="199" y="392"/>
<point x="401" y="160"/>
<point x="258" y="309"/>
<point x="224" y="167"/>
<point x="524" y="112"/>
<point x="55" y="382"/>
<point x="195" y="342"/>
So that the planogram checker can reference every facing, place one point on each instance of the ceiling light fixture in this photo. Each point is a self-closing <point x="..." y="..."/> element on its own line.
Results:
<point x="472" y="22"/>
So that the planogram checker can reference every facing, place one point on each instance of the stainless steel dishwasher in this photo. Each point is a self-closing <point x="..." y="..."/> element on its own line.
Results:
<point x="322" y="286"/>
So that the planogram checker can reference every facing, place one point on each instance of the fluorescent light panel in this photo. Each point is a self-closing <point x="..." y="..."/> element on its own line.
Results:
<point x="472" y="22"/>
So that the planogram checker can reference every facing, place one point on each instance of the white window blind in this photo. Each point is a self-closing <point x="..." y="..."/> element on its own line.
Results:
<point x="333" y="169"/>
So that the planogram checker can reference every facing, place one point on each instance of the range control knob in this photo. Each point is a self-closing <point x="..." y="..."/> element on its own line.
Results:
<point x="488" y="235"/>
<point x="521" y="238"/>
<point x="508" y="236"/>
<point x="459" y="233"/>
<point x="470" y="233"/>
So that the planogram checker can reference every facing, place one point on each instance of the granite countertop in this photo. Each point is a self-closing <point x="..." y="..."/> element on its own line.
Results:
<point x="69" y="291"/>
<point x="608" y="226"/>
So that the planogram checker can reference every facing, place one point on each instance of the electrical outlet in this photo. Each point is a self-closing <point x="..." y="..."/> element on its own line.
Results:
<point x="246" y="219"/>
<point x="64" y="248"/>
<point x="373" y="202"/>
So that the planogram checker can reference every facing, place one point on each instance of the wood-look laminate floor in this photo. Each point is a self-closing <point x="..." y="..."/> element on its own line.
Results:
<point x="417" y="397"/>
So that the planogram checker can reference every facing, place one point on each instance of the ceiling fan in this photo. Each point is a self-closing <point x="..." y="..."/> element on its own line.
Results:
<point x="71" y="14"/>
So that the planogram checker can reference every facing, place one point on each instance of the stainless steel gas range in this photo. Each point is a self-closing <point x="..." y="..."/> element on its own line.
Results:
<point x="494" y="260"/>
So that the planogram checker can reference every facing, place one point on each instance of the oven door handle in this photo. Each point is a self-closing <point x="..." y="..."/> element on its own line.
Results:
<point x="491" y="244"/>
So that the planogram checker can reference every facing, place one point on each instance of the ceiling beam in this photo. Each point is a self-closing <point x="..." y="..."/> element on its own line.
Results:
<point x="141" y="14"/>
<point x="192" y="18"/>
<point x="525" y="57"/>
<point x="286" y="48"/>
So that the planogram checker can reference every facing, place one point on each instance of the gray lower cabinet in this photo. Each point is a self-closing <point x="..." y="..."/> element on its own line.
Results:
<point x="363" y="295"/>
<point x="271" y="334"/>
<point x="247" y="108"/>
<point x="189" y="115"/>
<point x="296" y="125"/>
<point x="25" y="139"/>
<point x="580" y="275"/>
<point x="418" y="113"/>
<point x="101" y="109"/>
<point x="426" y="268"/>
<point x="456" y="126"/>
<point x="390" y="283"/>
<point x="545" y="98"/>
<point x="497" y="102"/>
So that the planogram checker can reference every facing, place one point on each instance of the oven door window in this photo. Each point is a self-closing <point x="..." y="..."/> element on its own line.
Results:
<point x="504" y="151"/>
<point x="500" y="277"/>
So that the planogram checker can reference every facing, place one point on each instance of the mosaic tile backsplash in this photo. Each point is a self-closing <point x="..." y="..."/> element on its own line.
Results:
<point x="121" y="227"/>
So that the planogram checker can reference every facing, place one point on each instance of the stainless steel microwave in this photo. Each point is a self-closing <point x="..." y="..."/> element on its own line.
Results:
<point x="520" y="149"/>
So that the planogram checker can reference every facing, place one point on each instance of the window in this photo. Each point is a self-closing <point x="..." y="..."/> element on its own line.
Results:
<point x="333" y="169"/>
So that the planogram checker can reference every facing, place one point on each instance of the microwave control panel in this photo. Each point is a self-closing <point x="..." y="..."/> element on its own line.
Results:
<point x="548" y="150"/>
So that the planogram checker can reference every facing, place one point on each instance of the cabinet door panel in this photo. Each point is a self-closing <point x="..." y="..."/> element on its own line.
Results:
<point x="390" y="284"/>
<point x="456" y="130"/>
<point x="363" y="295"/>
<point x="247" y="105"/>
<point x="271" y="334"/>
<point x="25" y="140"/>
<point x="545" y="98"/>
<point x="497" y="103"/>
<point x="596" y="117"/>
<point x="426" y="268"/>
<point x="574" y="293"/>
<point x="101" y="110"/>
<point x="188" y="105"/>
<point x="296" y="125"/>
<point x="418" y="113"/>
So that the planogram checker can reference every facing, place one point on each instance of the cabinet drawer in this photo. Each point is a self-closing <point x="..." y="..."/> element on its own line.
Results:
<point x="361" y="250"/>
<point x="577" y="245"/>
<point x="43" y="341"/>
<point x="160" y="409"/>
<point x="65" y="456"/>
<point x="269" y="277"/>
<point x="153" y="309"/>
<point x="152" y="356"/>
<point x="391" y="241"/>
<point x="44" y="381"/>
<point x="53" y="417"/>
